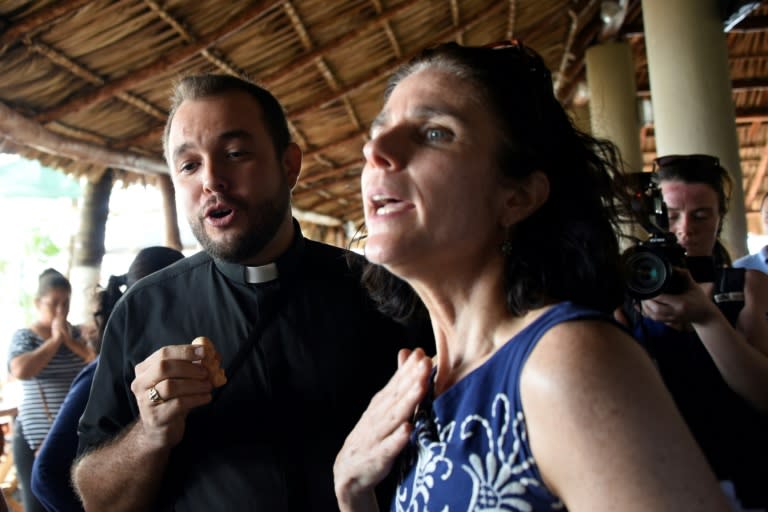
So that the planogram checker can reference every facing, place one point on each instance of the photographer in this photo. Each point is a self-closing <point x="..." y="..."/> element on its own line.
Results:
<point x="710" y="338"/>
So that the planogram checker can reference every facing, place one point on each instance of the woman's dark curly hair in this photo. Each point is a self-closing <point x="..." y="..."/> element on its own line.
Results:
<point x="579" y="258"/>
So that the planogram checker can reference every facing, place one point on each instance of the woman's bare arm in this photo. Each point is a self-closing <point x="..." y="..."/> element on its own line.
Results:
<point x="603" y="429"/>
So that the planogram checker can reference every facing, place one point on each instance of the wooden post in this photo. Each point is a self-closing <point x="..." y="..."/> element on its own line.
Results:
<point x="172" y="235"/>
<point x="89" y="246"/>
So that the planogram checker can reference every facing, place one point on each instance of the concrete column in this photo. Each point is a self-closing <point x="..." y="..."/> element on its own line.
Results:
<point x="691" y="92"/>
<point x="613" y="99"/>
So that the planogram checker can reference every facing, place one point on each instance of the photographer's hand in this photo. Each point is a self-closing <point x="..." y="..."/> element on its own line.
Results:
<point x="679" y="310"/>
<point x="738" y="352"/>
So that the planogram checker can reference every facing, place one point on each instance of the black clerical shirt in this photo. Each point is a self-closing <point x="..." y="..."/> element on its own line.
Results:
<point x="313" y="352"/>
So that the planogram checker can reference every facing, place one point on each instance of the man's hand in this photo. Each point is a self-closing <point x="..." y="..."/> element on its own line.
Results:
<point x="167" y="386"/>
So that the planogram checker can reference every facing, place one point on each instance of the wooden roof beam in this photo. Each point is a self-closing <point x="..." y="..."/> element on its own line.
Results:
<point x="511" y="19"/>
<point x="159" y="66"/>
<point x="387" y="69"/>
<point x="750" y="85"/>
<point x="316" y="218"/>
<point x="567" y="55"/>
<point x="156" y="133"/>
<point x="748" y="25"/>
<point x="86" y="74"/>
<point x="305" y="60"/>
<point x="350" y="182"/>
<point x="209" y="54"/>
<point x="329" y="173"/>
<point x="358" y="136"/>
<point x="39" y="18"/>
<point x="30" y="133"/>
<point x="354" y="35"/>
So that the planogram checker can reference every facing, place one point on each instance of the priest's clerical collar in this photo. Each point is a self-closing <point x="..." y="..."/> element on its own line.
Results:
<point x="262" y="274"/>
<point x="284" y="266"/>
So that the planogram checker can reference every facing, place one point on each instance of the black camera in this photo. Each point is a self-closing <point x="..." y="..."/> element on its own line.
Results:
<point x="649" y="266"/>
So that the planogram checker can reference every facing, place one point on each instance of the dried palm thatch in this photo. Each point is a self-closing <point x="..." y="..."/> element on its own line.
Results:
<point x="85" y="84"/>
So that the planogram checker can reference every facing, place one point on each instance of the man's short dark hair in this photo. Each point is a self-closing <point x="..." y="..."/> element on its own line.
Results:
<point x="195" y="87"/>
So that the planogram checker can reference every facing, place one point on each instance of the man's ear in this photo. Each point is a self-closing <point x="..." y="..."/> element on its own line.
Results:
<point x="292" y="163"/>
<point x="523" y="198"/>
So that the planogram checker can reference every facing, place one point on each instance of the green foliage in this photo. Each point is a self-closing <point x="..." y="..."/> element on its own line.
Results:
<point x="42" y="246"/>
<point x="39" y="251"/>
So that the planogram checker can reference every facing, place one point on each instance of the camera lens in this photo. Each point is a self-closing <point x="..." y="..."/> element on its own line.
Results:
<point x="646" y="274"/>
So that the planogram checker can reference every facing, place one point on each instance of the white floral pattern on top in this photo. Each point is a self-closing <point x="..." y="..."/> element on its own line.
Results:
<point x="500" y="475"/>
<point x="469" y="450"/>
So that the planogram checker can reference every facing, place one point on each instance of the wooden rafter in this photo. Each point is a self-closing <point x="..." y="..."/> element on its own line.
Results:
<point x="210" y="54"/>
<point x="387" y="69"/>
<point x="161" y="64"/>
<point x="330" y="173"/>
<point x="354" y="137"/>
<point x="40" y="18"/>
<point x="316" y="218"/>
<point x="750" y="24"/>
<point x="296" y="64"/>
<point x="30" y="133"/>
<point x="309" y="58"/>
<point x="746" y="85"/>
<point x="387" y="27"/>
<point x="81" y="71"/>
<point x="511" y="19"/>
<point x="575" y="71"/>
<point x="364" y="81"/>
<point x="567" y="55"/>
<point x="338" y="181"/>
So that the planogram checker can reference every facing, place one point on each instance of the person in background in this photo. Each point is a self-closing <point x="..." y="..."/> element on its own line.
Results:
<point x="302" y="346"/>
<point x="759" y="260"/>
<point x="480" y="193"/>
<point x="45" y="357"/>
<point x="709" y="339"/>
<point x="51" y="481"/>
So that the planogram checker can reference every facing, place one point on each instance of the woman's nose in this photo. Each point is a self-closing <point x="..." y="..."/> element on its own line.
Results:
<point x="385" y="151"/>
<point x="681" y="227"/>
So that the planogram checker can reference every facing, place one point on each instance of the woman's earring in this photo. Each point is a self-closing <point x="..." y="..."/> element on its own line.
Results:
<point x="506" y="248"/>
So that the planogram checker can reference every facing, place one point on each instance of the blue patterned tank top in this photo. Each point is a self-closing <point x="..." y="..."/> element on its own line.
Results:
<point x="469" y="449"/>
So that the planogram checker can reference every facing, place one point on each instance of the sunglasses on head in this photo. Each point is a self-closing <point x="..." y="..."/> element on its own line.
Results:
<point x="697" y="160"/>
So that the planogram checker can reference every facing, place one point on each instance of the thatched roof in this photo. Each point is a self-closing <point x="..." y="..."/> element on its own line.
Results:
<point x="90" y="80"/>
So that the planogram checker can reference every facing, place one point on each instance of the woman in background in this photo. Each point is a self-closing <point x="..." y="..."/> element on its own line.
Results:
<point x="482" y="196"/>
<point x="710" y="340"/>
<point x="45" y="357"/>
<point x="51" y="481"/>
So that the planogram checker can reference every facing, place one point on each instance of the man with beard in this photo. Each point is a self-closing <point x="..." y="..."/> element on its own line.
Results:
<point x="302" y="345"/>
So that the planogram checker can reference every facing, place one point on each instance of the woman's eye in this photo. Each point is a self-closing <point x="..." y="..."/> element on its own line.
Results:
<point x="437" y="134"/>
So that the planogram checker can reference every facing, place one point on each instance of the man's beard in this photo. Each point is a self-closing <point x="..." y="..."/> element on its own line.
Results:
<point x="244" y="246"/>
